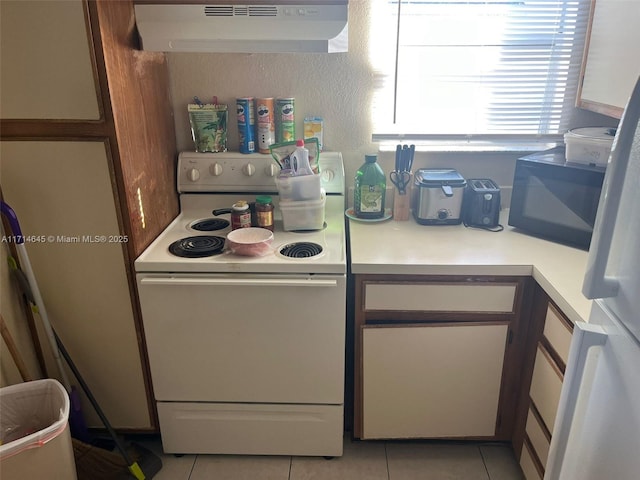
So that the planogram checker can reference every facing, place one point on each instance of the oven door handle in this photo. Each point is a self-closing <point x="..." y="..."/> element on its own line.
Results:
<point x="235" y="282"/>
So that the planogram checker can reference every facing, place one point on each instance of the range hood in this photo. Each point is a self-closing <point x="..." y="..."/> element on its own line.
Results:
<point x="316" y="26"/>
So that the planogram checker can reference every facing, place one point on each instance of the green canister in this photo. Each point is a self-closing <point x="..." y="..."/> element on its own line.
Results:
<point x="285" y="120"/>
<point x="370" y="188"/>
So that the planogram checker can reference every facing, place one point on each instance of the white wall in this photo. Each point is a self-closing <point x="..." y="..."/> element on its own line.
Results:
<point x="337" y="87"/>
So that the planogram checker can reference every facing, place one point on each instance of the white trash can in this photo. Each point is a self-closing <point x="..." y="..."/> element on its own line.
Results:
<point x="34" y="431"/>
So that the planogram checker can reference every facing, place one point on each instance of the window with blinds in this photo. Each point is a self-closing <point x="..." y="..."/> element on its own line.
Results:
<point x="476" y="70"/>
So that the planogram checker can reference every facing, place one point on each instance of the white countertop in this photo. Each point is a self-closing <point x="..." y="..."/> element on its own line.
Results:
<point x="405" y="247"/>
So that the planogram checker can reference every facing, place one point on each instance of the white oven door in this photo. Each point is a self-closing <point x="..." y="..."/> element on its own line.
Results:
<point x="245" y="338"/>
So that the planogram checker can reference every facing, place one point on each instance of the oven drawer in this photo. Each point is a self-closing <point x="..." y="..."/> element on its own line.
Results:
<point x="245" y="338"/>
<point x="251" y="429"/>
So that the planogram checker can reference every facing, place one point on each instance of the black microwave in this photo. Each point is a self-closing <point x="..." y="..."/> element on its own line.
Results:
<point x="554" y="199"/>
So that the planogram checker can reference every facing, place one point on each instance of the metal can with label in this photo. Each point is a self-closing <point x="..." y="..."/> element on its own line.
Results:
<point x="266" y="124"/>
<point x="246" y="124"/>
<point x="285" y="120"/>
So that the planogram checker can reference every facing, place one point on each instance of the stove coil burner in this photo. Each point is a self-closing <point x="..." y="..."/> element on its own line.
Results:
<point x="210" y="224"/>
<point x="301" y="250"/>
<point x="197" y="246"/>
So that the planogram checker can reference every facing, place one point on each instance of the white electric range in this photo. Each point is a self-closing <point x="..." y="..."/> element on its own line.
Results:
<point x="246" y="353"/>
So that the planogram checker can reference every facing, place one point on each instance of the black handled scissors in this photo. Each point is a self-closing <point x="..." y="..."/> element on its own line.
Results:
<point x="400" y="180"/>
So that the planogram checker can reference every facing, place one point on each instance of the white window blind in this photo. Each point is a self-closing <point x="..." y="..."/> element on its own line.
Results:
<point x="476" y="70"/>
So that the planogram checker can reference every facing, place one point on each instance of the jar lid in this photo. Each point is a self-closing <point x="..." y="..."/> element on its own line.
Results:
<point x="263" y="199"/>
<point x="240" y="206"/>
<point x="604" y="134"/>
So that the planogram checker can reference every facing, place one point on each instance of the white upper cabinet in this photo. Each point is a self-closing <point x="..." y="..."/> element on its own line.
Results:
<point x="611" y="65"/>
<point x="47" y="71"/>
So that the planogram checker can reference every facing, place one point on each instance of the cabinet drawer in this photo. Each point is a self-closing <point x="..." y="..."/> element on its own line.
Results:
<point x="537" y="438"/>
<point x="528" y="465"/>
<point x="546" y="385"/>
<point x="558" y="333"/>
<point x="432" y="381"/>
<point x="448" y="297"/>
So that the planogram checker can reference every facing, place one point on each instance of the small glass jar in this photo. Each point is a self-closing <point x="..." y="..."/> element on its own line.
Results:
<point x="264" y="212"/>
<point x="240" y="215"/>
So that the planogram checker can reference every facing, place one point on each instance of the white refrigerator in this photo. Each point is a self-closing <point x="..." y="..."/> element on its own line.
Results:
<point x="597" y="430"/>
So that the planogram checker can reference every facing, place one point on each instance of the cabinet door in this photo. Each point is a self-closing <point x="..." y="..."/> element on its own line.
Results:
<point x="432" y="381"/>
<point x="611" y="65"/>
<point x="61" y="193"/>
<point x="47" y="69"/>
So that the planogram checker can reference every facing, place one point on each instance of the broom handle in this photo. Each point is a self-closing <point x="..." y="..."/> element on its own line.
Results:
<point x="133" y="466"/>
<point x="13" y="350"/>
<point x="35" y="291"/>
<point x="28" y="271"/>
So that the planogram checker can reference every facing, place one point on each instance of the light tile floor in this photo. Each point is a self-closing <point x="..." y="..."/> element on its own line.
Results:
<point x="360" y="461"/>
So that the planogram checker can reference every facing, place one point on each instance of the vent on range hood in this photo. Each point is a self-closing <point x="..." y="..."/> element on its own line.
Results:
<point x="250" y="28"/>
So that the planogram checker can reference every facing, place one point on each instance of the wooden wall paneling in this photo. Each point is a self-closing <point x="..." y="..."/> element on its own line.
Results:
<point x="138" y="88"/>
<point x="514" y="360"/>
<point x="135" y="87"/>
<point x="532" y="326"/>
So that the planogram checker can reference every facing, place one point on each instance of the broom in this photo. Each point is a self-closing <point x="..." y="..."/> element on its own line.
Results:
<point x="76" y="418"/>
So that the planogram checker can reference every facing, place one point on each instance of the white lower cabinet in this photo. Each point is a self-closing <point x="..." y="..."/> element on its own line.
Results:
<point x="437" y="380"/>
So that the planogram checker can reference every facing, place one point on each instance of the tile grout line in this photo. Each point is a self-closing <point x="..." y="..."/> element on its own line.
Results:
<point x="486" y="469"/>
<point x="386" y="461"/>
<point x="193" y="466"/>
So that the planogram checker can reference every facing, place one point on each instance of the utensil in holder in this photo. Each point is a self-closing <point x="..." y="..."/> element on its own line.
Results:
<point x="402" y="200"/>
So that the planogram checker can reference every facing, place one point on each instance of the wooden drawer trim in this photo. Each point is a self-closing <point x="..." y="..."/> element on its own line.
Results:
<point x="548" y="366"/>
<point x="538" y="435"/>
<point x="533" y="457"/>
<point x="481" y="297"/>
<point x="554" y="336"/>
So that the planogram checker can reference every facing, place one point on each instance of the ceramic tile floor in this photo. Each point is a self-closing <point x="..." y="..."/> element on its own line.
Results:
<point x="360" y="461"/>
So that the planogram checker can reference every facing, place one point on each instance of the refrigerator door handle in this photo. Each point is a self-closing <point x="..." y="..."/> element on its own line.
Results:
<point x="596" y="283"/>
<point x="585" y="336"/>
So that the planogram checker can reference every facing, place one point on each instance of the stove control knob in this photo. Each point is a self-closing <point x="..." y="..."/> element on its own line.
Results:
<point x="328" y="174"/>
<point x="271" y="170"/>
<point x="215" y="169"/>
<point x="193" y="174"/>
<point x="249" y="169"/>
